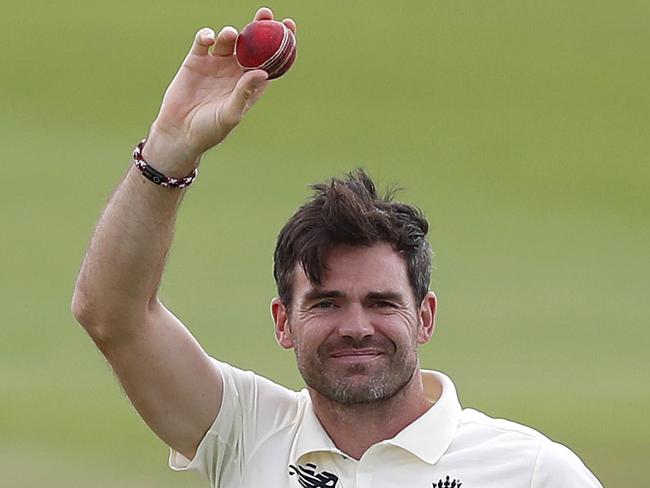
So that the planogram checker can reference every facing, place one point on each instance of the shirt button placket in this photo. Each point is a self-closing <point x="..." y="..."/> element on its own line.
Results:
<point x="364" y="480"/>
<point x="365" y="468"/>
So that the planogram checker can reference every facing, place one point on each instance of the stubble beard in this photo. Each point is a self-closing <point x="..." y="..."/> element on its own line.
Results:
<point x="359" y="383"/>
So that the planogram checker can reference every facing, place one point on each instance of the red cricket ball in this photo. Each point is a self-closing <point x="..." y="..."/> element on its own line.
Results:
<point x="268" y="45"/>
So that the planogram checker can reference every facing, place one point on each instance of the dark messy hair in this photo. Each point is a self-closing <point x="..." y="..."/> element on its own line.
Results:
<point x="349" y="212"/>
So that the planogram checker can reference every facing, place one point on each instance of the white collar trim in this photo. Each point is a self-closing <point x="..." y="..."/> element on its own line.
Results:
<point x="428" y="437"/>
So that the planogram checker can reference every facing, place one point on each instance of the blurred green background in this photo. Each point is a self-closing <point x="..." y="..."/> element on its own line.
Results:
<point x="519" y="127"/>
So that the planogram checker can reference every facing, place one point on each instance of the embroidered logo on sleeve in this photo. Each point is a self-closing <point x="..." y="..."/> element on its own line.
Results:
<point x="309" y="478"/>
<point x="447" y="483"/>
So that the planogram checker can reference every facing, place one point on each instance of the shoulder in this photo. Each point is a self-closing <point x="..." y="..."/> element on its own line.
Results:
<point x="496" y="438"/>
<point x="252" y="391"/>
<point x="552" y="464"/>
<point x="253" y="410"/>
<point x="471" y="418"/>
<point x="558" y="466"/>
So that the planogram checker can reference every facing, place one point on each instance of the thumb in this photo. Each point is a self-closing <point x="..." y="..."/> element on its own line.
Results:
<point x="246" y="92"/>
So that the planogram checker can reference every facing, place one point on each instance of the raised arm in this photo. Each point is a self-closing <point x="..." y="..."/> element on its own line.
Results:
<point x="170" y="380"/>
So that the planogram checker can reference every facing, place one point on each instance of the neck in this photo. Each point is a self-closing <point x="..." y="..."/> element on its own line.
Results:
<point x="373" y="422"/>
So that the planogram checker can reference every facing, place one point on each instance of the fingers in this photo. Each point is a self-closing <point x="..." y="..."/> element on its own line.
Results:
<point x="248" y="84"/>
<point x="264" y="13"/>
<point x="225" y="43"/>
<point x="290" y="24"/>
<point x="202" y="41"/>
<point x="246" y="92"/>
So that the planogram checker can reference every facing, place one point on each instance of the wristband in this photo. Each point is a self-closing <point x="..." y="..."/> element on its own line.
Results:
<point x="156" y="176"/>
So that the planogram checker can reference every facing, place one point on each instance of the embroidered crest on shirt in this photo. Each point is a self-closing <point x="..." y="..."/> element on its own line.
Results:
<point x="309" y="478"/>
<point x="447" y="483"/>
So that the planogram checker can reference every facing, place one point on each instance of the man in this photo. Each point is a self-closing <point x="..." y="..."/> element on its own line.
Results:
<point x="352" y="271"/>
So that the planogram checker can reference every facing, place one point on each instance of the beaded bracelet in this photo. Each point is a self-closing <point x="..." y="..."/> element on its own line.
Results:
<point x="156" y="176"/>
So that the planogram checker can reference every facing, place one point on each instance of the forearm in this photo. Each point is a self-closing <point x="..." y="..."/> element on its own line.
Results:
<point x="123" y="266"/>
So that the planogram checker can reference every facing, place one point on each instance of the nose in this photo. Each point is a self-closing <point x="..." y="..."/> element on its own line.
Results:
<point x="355" y="323"/>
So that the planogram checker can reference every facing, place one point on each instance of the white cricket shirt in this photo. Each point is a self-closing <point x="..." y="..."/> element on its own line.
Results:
<point x="267" y="436"/>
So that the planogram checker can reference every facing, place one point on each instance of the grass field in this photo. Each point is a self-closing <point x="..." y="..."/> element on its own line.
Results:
<point x="520" y="128"/>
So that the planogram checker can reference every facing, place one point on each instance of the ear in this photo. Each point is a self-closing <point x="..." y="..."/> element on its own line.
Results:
<point x="427" y="317"/>
<point x="281" y="321"/>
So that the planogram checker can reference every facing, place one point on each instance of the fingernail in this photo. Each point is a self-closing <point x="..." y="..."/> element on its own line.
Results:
<point x="229" y="28"/>
<point x="210" y="35"/>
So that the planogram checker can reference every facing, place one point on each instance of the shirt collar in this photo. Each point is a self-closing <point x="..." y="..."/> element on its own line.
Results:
<point x="428" y="437"/>
<point x="311" y="437"/>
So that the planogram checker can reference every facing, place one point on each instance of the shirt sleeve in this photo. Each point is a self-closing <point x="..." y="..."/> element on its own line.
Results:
<point x="558" y="467"/>
<point x="252" y="409"/>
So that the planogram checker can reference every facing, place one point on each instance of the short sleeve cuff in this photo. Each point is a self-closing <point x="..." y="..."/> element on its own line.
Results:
<point x="222" y="422"/>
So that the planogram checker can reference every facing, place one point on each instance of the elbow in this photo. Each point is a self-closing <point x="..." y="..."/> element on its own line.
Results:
<point x="89" y="317"/>
<point x="106" y="321"/>
<point x="88" y="314"/>
<point x="81" y="308"/>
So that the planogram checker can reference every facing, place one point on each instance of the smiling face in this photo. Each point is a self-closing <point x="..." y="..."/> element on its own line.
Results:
<point x="356" y="334"/>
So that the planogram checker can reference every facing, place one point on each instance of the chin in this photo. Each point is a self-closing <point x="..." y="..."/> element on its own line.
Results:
<point x="359" y="386"/>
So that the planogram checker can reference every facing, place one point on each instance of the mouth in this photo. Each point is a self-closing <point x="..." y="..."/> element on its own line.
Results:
<point x="356" y="355"/>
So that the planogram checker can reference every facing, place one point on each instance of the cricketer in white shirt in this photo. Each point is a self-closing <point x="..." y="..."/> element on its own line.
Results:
<point x="352" y="270"/>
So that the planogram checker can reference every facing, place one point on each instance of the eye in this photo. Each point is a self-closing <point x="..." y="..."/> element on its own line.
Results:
<point x="324" y="304"/>
<point x="383" y="304"/>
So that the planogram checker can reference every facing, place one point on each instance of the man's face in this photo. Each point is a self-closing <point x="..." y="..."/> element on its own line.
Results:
<point x="356" y="335"/>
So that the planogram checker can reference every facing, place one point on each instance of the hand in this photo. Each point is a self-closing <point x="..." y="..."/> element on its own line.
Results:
<point x="206" y="99"/>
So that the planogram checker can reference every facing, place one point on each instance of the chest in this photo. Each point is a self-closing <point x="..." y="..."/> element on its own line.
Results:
<point x="395" y="468"/>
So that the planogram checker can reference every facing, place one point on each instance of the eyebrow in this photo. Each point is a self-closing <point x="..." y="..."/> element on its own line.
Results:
<point x="385" y="295"/>
<point x="317" y="294"/>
